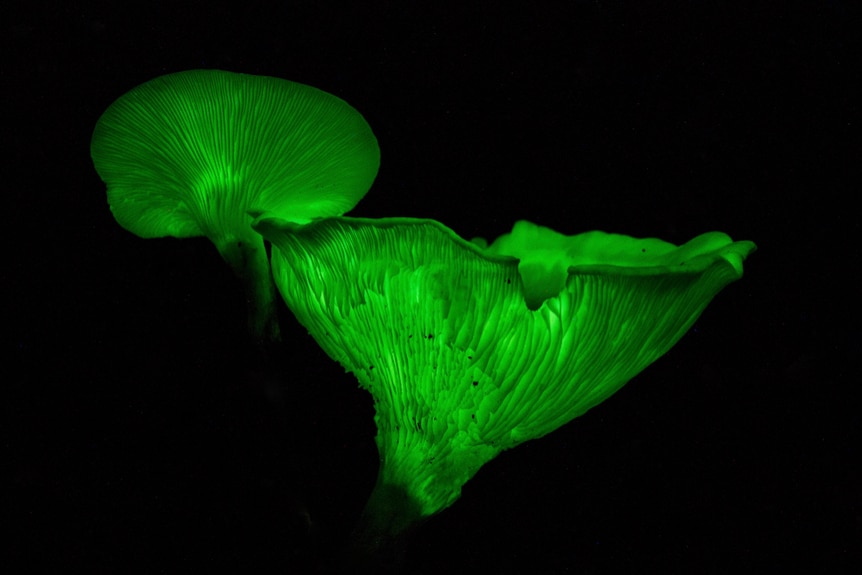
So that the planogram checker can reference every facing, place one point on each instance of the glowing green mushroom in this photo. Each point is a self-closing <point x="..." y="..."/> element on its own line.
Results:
<point x="468" y="351"/>
<point x="192" y="153"/>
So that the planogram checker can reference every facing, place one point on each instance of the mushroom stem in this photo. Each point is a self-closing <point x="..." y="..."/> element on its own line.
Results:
<point x="380" y="537"/>
<point x="247" y="257"/>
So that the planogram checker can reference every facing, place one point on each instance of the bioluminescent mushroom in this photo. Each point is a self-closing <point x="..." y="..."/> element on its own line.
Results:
<point x="468" y="351"/>
<point x="193" y="153"/>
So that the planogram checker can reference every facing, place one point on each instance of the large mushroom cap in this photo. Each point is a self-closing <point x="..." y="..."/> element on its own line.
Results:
<point x="194" y="153"/>
<point x="468" y="351"/>
<point x="191" y="153"/>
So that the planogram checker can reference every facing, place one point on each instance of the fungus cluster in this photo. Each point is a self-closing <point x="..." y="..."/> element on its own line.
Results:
<point x="467" y="349"/>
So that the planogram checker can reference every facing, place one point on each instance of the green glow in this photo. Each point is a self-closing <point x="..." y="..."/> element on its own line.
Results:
<point x="193" y="153"/>
<point x="468" y="351"/>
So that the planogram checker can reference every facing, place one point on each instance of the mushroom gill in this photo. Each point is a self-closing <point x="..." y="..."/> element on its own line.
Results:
<point x="195" y="152"/>
<point x="468" y="351"/>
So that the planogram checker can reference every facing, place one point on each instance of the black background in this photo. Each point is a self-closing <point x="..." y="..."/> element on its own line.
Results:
<point x="144" y="436"/>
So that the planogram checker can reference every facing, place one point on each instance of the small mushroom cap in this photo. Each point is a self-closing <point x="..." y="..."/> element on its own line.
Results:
<point x="192" y="153"/>
<point x="468" y="351"/>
